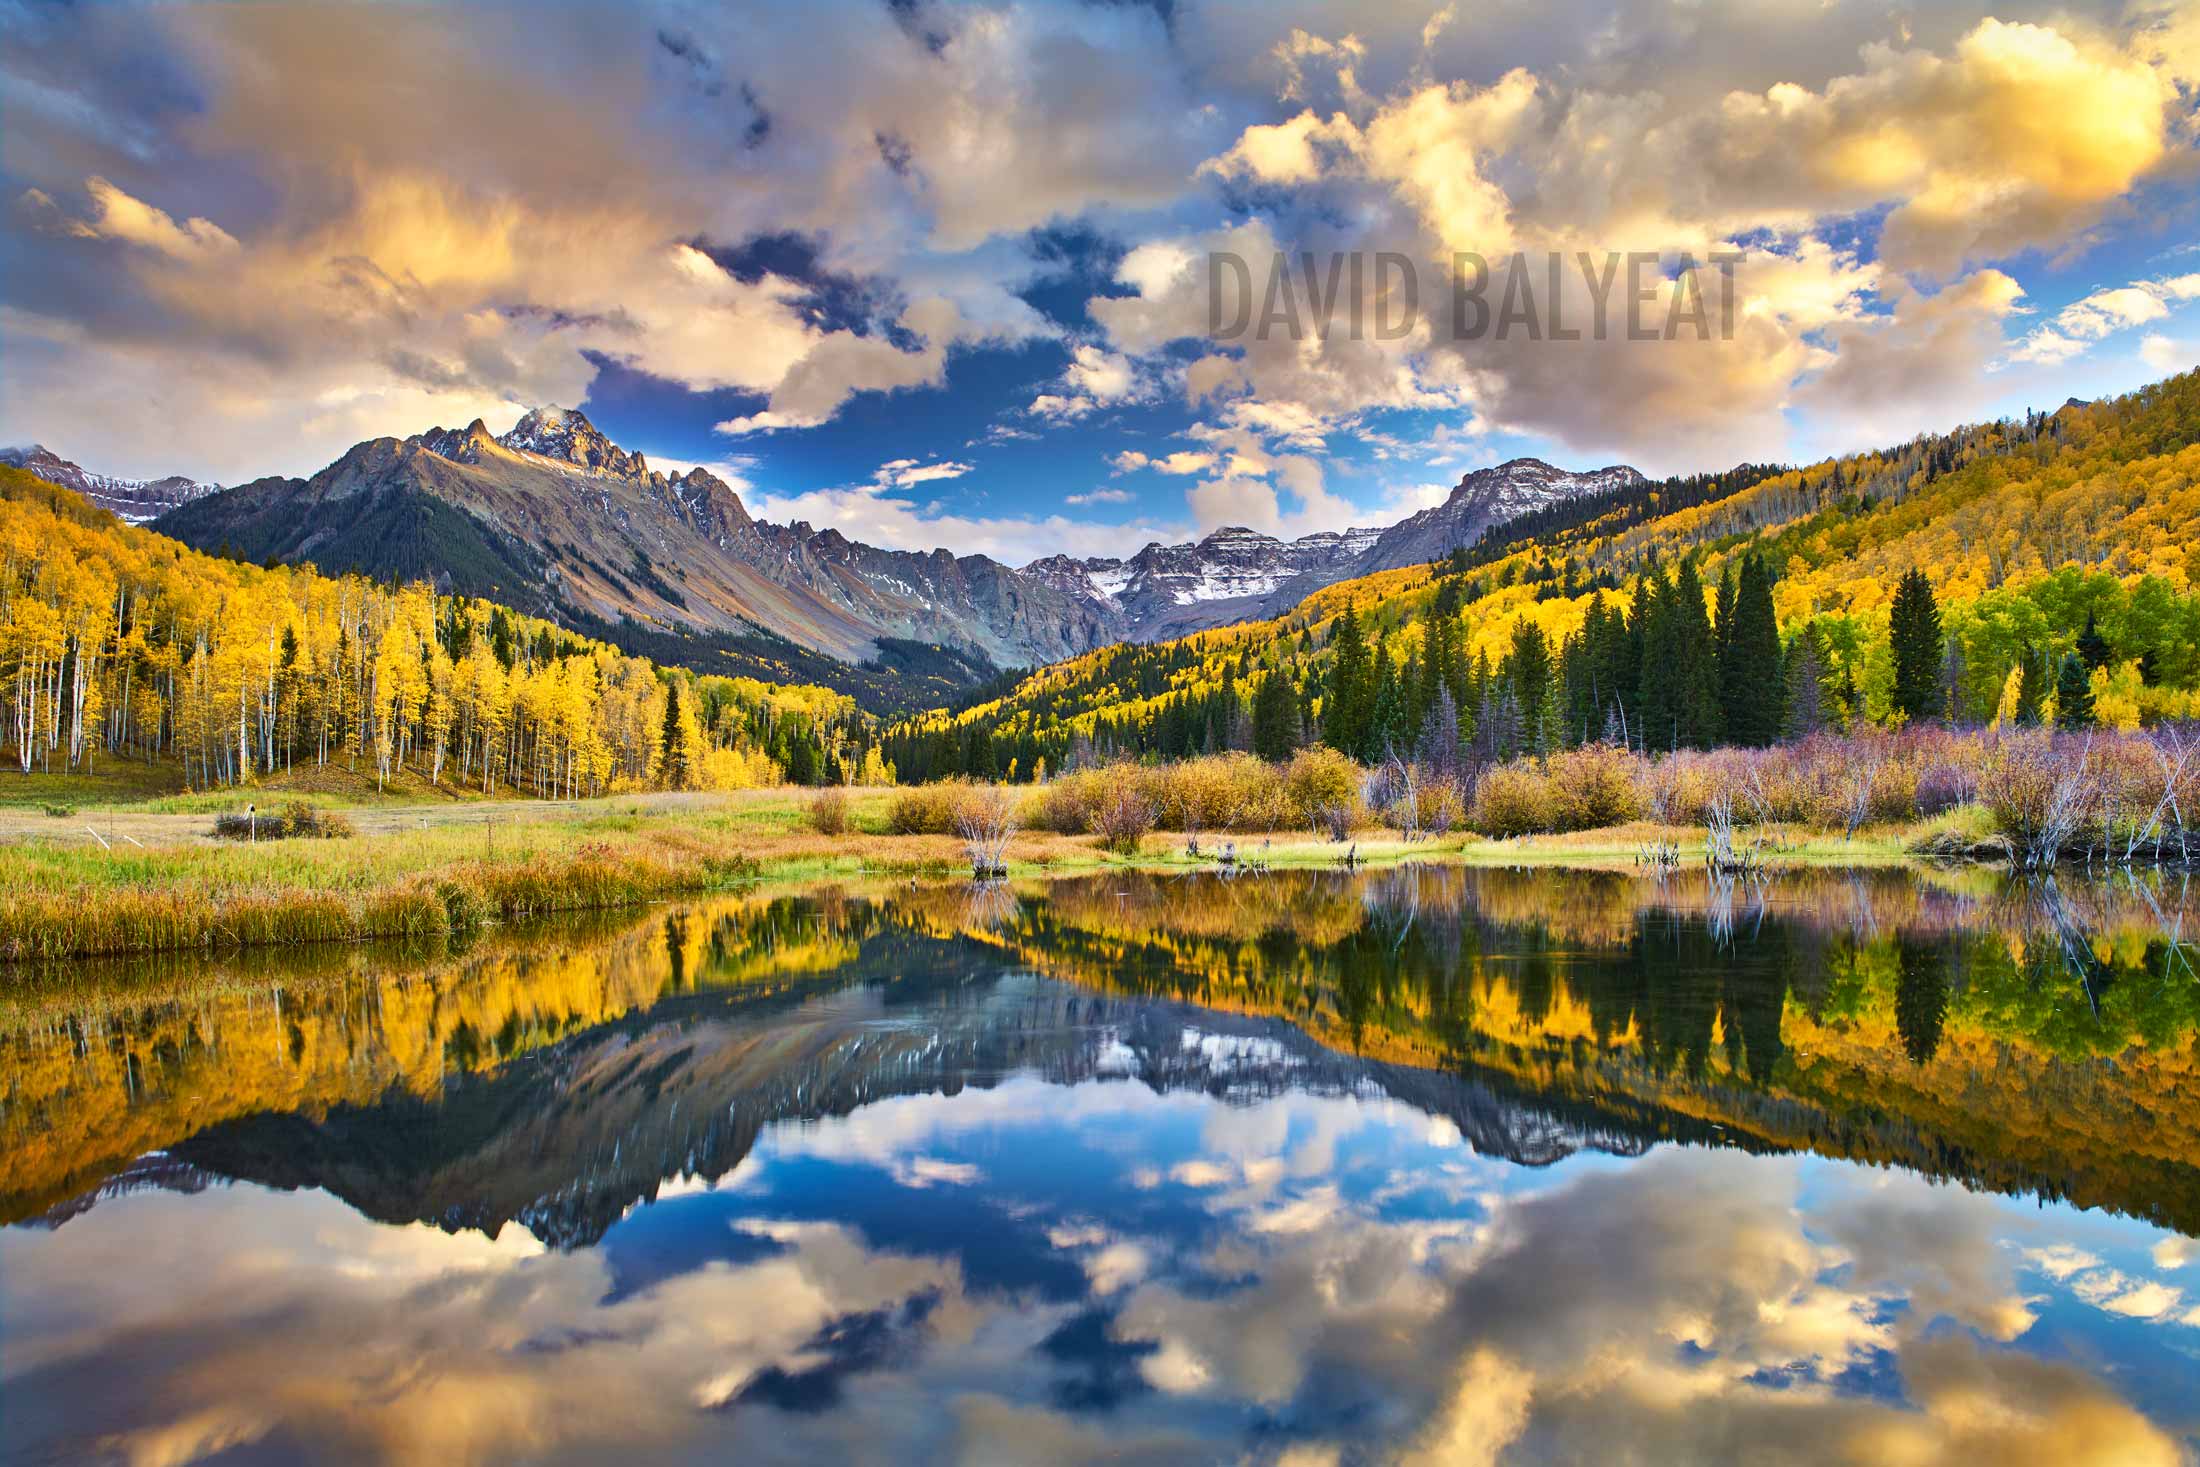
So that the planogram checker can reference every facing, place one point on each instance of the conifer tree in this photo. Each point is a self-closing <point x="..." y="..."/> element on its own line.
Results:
<point x="672" y="750"/>
<point x="1913" y="630"/>
<point x="1528" y="668"/>
<point x="2073" y="694"/>
<point x="2031" y="686"/>
<point x="1345" y="711"/>
<point x="1751" y="688"/>
<point x="1387" y="729"/>
<point x="1658" y="663"/>
<point x="1805" y="713"/>
<point x="1438" y="746"/>
<point x="2092" y="646"/>
<point x="1275" y="717"/>
<point x="1696" y="672"/>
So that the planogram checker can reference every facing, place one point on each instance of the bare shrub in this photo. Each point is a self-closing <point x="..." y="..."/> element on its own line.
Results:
<point x="1124" y="814"/>
<point x="1336" y="821"/>
<point x="2037" y="795"/>
<point x="293" y="821"/>
<point x="985" y="821"/>
<point x="828" y="811"/>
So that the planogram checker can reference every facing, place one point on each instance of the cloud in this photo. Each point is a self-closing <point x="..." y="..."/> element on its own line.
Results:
<point x="1183" y="461"/>
<point x="421" y="247"/>
<point x="903" y="473"/>
<point x="260" y="261"/>
<point x="1095" y="378"/>
<point x="2104" y="313"/>
<point x="1100" y="496"/>
<point x="871" y="514"/>
<point x="2163" y="355"/>
<point x="116" y="215"/>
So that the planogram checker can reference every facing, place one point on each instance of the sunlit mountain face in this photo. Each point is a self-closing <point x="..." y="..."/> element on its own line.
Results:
<point x="1420" y="1166"/>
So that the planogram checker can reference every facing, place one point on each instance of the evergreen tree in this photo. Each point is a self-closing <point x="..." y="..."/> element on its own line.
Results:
<point x="1806" y="687"/>
<point x="2092" y="646"/>
<point x="2031" y="687"/>
<point x="1913" y="630"/>
<point x="1387" y="728"/>
<point x="1275" y="717"/>
<point x="1750" y="686"/>
<point x="1438" y="746"/>
<point x="1528" y="668"/>
<point x="1696" y="673"/>
<point x="674" y="760"/>
<point x="1346" y="710"/>
<point x="1656" y="636"/>
<point x="2073" y="694"/>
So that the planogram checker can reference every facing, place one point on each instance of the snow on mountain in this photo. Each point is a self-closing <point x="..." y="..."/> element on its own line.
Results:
<point x="1237" y="573"/>
<point x="134" y="500"/>
<point x="560" y="519"/>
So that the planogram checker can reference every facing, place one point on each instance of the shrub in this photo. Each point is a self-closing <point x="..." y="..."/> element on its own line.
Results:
<point x="1942" y="787"/>
<point x="2035" y="794"/>
<point x="294" y="821"/>
<point x="1234" y="791"/>
<point x="1592" y="787"/>
<point x="985" y="821"/>
<point x="1512" y="799"/>
<point x="1124" y="813"/>
<point x="1321" y="786"/>
<point x="927" y="809"/>
<point x="828" y="811"/>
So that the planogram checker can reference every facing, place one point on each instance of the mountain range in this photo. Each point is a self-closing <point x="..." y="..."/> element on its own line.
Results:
<point x="555" y="519"/>
<point x="134" y="500"/>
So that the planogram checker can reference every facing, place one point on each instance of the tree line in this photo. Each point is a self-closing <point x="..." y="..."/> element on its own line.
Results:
<point x="117" y="642"/>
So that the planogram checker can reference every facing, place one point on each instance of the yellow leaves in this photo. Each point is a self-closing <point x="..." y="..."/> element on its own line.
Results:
<point x="199" y="667"/>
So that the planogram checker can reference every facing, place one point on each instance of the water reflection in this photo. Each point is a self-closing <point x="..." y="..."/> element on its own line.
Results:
<point x="1307" y="1169"/>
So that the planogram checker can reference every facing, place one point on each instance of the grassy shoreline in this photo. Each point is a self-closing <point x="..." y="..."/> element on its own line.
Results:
<point x="62" y="896"/>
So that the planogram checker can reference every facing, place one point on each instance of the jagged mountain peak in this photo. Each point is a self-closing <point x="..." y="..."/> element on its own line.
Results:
<point x="565" y="434"/>
<point x="1540" y="474"/>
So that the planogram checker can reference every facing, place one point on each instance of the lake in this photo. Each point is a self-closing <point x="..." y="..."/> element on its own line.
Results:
<point x="1424" y="1165"/>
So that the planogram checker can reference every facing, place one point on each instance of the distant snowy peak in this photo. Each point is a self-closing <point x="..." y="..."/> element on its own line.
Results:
<point x="1232" y="573"/>
<point x="1485" y="499"/>
<point x="134" y="500"/>
<point x="1532" y="483"/>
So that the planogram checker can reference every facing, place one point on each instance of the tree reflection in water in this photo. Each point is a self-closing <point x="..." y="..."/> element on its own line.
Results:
<point x="1116" y="1166"/>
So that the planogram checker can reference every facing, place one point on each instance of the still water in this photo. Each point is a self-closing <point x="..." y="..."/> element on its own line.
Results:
<point x="1420" y="1166"/>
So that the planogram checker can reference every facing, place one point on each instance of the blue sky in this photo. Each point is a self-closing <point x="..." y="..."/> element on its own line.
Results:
<point x="934" y="273"/>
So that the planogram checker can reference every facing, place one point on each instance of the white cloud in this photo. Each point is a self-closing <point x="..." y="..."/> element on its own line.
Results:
<point x="2106" y="312"/>
<point x="1100" y="496"/>
<point x="903" y="473"/>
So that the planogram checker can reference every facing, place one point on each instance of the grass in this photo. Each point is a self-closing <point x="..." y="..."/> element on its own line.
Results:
<point x="112" y="782"/>
<point x="445" y="868"/>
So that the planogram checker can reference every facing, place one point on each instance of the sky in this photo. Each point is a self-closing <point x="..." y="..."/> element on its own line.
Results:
<point x="939" y="274"/>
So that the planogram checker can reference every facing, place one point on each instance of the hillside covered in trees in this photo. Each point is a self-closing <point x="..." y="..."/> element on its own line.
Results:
<point x="119" y="643"/>
<point x="2045" y="569"/>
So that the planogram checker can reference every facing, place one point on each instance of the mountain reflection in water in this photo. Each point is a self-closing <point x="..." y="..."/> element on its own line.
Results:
<point x="1304" y="1168"/>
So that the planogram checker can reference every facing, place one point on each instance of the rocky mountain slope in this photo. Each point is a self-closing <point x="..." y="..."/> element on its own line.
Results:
<point x="1237" y="574"/>
<point x="135" y="500"/>
<point x="555" y="518"/>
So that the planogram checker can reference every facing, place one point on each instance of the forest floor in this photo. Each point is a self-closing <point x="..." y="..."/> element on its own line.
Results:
<point x="116" y="874"/>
